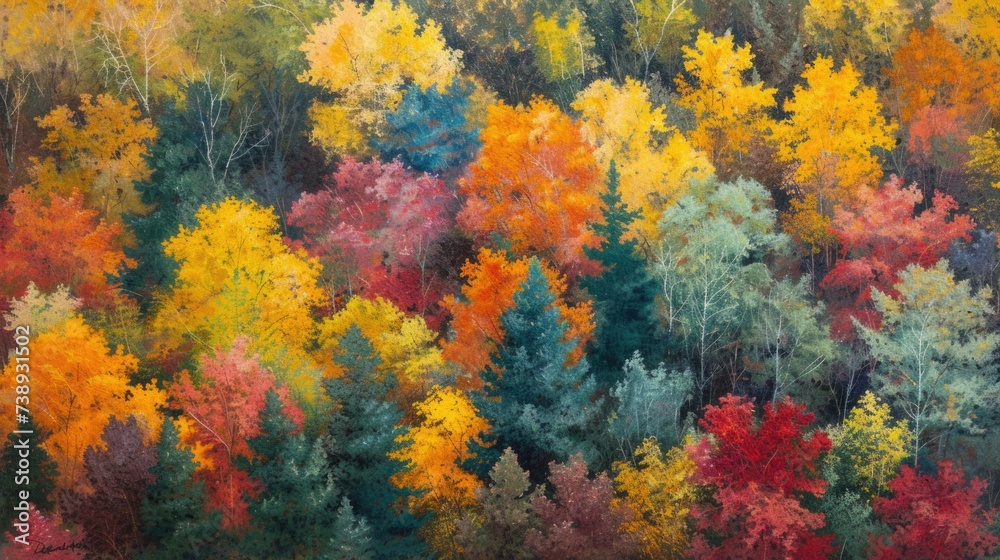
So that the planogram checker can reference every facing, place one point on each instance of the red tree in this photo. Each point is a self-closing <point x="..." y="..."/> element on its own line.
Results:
<point x="759" y="473"/>
<point x="375" y="226"/>
<point x="225" y="408"/>
<point x="935" y="517"/>
<point x="581" y="521"/>
<point x="57" y="242"/>
<point x="878" y="241"/>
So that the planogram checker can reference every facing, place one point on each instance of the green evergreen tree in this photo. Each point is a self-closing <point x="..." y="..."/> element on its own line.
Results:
<point x="538" y="406"/>
<point x="294" y="514"/>
<point x="363" y="429"/>
<point x="174" y="518"/>
<point x="624" y="294"/>
<point x="41" y="478"/>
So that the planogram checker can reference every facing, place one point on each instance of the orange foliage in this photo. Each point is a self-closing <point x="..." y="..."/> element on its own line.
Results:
<point x="491" y="283"/>
<point x="536" y="183"/>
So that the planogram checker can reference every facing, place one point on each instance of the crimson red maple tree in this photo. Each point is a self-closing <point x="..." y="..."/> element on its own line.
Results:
<point x="937" y="517"/>
<point x="880" y="239"/>
<point x="759" y="473"/>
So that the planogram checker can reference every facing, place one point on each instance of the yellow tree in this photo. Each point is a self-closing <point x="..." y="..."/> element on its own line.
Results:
<point x="236" y="277"/>
<point x="857" y="30"/>
<point x="77" y="384"/>
<point x="974" y="24"/>
<point x="659" y="489"/>
<point x="655" y="162"/>
<point x="436" y="445"/>
<point x="405" y="346"/>
<point x="364" y="57"/>
<point x="563" y="45"/>
<point x="729" y="112"/>
<point x="99" y="150"/>
<point x="655" y="28"/>
<point x="834" y="125"/>
<point x="869" y="446"/>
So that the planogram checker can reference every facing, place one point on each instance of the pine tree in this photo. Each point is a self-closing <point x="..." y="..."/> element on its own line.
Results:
<point x="624" y="293"/>
<point x="174" y="518"/>
<point x="363" y="430"/>
<point x="538" y="405"/>
<point x="294" y="513"/>
<point x="41" y="479"/>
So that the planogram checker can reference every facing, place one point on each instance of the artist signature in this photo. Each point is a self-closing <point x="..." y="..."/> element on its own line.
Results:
<point x="42" y="548"/>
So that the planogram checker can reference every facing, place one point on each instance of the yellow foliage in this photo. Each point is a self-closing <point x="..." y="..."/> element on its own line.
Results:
<point x="871" y="444"/>
<point x="365" y="57"/>
<point x="660" y="492"/>
<point x="974" y="24"/>
<point x="77" y="385"/>
<point x="235" y="276"/>
<point x="655" y="28"/>
<point x="35" y="34"/>
<point x="834" y="124"/>
<point x="807" y="224"/>
<point x="655" y="162"/>
<point x="102" y="158"/>
<point x="729" y="113"/>
<point x="563" y="45"/>
<point x="404" y="344"/>
<point x="854" y="28"/>
<point x="984" y="155"/>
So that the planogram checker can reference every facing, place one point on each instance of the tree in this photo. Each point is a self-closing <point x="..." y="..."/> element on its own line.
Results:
<point x="538" y="403"/>
<point x="429" y="130"/>
<point x="935" y="516"/>
<point x="375" y="227"/>
<point x="505" y="515"/>
<point x="759" y="474"/>
<point x="362" y="445"/>
<point x="77" y="386"/>
<point x="174" y="519"/>
<point x="834" y="125"/>
<point x="235" y="277"/>
<point x="973" y="25"/>
<point x="435" y="447"/>
<point x="878" y="240"/>
<point x="535" y="183"/>
<point x="713" y="242"/>
<point x="789" y="344"/>
<point x="58" y="242"/>
<point x="655" y="28"/>
<point x="582" y="519"/>
<point x="650" y="404"/>
<point x="655" y="161"/>
<point x="40" y="310"/>
<point x="658" y="488"/>
<point x="117" y="475"/>
<point x="297" y="506"/>
<point x="224" y="407"/>
<point x="365" y="57"/>
<point x="624" y="293"/>
<point x="866" y="33"/>
<point x="868" y="448"/>
<point x="488" y="293"/>
<point x="729" y="113"/>
<point x="102" y="158"/>
<point x="562" y="44"/>
<point x="933" y="349"/>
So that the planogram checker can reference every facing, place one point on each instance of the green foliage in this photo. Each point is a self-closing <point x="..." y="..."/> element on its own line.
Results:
<point x="933" y="351"/>
<point x="174" y="519"/>
<point x="363" y="429"/>
<point x="538" y="405"/>
<point x="624" y="293"/>
<point x="41" y="478"/>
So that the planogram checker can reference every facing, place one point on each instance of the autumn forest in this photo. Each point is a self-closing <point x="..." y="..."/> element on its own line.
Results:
<point x="499" y="279"/>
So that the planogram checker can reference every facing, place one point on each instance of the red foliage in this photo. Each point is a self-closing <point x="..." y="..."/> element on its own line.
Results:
<point x="580" y="521"/>
<point x="758" y="473"/>
<point x="935" y="517"/>
<point x="225" y="407"/>
<point x="58" y="242"/>
<point x="47" y="541"/>
<point x="878" y="241"/>
<point x="374" y="226"/>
